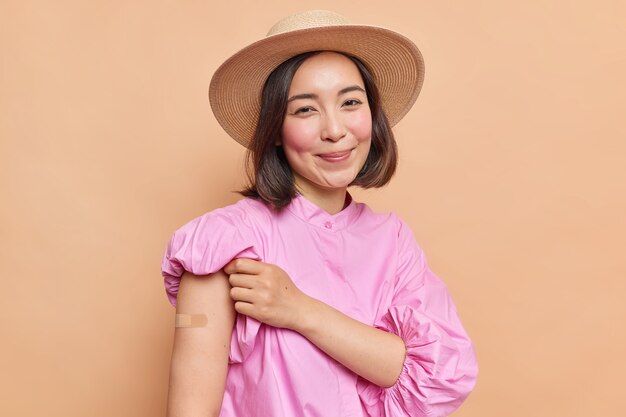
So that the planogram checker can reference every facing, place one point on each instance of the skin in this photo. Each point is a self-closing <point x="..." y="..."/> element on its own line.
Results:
<point x="199" y="360"/>
<point x="327" y="113"/>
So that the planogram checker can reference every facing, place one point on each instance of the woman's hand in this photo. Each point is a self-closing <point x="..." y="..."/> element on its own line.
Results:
<point x="265" y="292"/>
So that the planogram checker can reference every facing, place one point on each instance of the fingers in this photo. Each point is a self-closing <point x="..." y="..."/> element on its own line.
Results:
<point x="244" y="266"/>
<point x="244" y="308"/>
<point x="239" y="294"/>
<point x="242" y="280"/>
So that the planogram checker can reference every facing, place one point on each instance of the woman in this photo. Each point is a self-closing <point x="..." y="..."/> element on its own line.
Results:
<point x="297" y="300"/>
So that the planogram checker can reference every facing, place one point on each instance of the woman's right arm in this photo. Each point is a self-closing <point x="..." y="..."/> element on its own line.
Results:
<point x="200" y="354"/>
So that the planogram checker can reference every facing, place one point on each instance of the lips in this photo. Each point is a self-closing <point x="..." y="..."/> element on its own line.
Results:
<point x="335" y="156"/>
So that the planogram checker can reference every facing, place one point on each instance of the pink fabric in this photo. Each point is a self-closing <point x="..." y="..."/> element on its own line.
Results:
<point x="365" y="264"/>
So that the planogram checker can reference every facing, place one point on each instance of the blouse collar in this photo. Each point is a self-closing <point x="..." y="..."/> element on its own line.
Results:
<point x="308" y="211"/>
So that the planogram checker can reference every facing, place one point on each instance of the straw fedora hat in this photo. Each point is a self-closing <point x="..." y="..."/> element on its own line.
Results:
<point x="394" y="61"/>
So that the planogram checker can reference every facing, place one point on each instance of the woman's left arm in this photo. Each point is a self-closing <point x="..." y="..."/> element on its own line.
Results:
<point x="266" y="293"/>
<point x="373" y="354"/>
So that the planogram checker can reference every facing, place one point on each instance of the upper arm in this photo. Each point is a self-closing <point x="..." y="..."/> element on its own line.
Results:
<point x="200" y="354"/>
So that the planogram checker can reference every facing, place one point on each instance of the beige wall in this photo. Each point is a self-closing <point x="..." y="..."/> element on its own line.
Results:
<point x="513" y="163"/>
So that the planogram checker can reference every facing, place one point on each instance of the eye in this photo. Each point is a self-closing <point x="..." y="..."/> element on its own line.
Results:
<point x="304" y="110"/>
<point x="352" y="102"/>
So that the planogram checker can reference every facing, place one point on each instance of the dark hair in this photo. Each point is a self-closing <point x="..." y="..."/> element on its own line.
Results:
<point x="269" y="173"/>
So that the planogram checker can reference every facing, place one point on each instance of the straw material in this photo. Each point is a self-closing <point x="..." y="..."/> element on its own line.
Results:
<point x="394" y="61"/>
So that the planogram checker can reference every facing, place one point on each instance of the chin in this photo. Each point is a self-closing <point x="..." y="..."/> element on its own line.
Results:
<point x="330" y="182"/>
<point x="341" y="183"/>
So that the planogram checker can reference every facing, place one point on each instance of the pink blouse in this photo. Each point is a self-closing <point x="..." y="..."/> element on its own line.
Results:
<point x="366" y="265"/>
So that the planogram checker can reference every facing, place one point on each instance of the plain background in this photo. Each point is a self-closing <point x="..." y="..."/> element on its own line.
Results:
<point x="512" y="173"/>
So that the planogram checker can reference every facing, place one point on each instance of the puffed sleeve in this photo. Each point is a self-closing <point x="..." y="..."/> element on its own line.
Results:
<point x="440" y="368"/>
<point x="205" y="245"/>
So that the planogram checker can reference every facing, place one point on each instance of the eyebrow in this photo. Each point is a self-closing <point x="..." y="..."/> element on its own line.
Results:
<point x="314" y="96"/>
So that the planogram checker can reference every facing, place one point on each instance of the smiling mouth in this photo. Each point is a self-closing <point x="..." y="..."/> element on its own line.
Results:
<point x="335" y="156"/>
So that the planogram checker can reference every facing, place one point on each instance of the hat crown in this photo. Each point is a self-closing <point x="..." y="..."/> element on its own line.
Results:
<point x="393" y="60"/>
<point x="307" y="20"/>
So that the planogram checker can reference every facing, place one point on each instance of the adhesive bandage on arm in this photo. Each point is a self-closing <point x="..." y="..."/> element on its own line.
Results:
<point x="191" y="320"/>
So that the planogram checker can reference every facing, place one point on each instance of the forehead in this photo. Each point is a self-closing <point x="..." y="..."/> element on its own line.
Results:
<point x="327" y="70"/>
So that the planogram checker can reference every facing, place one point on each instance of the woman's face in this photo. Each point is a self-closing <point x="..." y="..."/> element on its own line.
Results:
<point x="326" y="133"/>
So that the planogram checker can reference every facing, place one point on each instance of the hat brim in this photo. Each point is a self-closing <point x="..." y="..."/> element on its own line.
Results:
<point x="395" y="62"/>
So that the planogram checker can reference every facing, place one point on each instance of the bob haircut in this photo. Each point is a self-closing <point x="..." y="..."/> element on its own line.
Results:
<point x="270" y="176"/>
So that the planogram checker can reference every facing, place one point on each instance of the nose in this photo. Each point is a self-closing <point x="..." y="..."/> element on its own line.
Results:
<point x="333" y="127"/>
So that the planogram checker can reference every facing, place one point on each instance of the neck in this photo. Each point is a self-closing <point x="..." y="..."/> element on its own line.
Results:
<point x="332" y="200"/>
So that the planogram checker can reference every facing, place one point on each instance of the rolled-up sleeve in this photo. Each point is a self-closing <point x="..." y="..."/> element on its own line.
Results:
<point x="205" y="245"/>
<point x="440" y="368"/>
